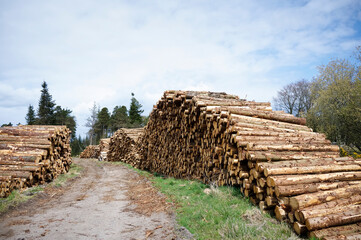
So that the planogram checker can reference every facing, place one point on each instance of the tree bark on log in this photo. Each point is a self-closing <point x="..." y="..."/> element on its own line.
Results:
<point x="332" y="232"/>
<point x="292" y="190"/>
<point x="309" y="211"/>
<point x="336" y="219"/>
<point x="306" y="200"/>
<point x="282" y="180"/>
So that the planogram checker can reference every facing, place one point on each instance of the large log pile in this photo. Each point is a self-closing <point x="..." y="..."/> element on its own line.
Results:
<point x="104" y="148"/>
<point x="91" y="151"/>
<point x="124" y="146"/>
<point x="31" y="155"/>
<point x="278" y="162"/>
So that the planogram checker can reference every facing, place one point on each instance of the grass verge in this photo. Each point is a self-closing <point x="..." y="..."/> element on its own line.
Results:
<point x="221" y="213"/>
<point x="74" y="171"/>
<point x="16" y="197"/>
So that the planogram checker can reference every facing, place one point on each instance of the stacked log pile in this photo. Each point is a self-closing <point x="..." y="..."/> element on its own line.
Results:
<point x="278" y="162"/>
<point x="91" y="151"/>
<point x="124" y="146"/>
<point x="32" y="155"/>
<point x="104" y="148"/>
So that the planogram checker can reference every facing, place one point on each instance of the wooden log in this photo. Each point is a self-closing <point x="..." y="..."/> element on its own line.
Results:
<point x="252" y="129"/>
<point x="291" y="217"/>
<point x="4" y="154"/>
<point x="289" y="118"/>
<point x="20" y="167"/>
<point x="282" y="180"/>
<point x="239" y="118"/>
<point x="314" y="209"/>
<point x="293" y="147"/>
<point x="306" y="200"/>
<point x="261" y="136"/>
<point x="271" y="201"/>
<point x="307" y="162"/>
<point x="284" y="156"/>
<point x="298" y="189"/>
<point x="311" y="169"/>
<point x="16" y="174"/>
<point x="336" y="219"/>
<point x="335" y="231"/>
<point x="325" y="212"/>
<point x="299" y="228"/>
<point x="21" y="158"/>
<point x="351" y="236"/>
<point x="280" y="213"/>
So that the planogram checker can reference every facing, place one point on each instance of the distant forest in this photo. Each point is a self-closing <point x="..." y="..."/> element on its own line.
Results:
<point x="101" y="123"/>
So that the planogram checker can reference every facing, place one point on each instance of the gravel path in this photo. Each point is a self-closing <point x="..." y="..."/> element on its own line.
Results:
<point x="107" y="202"/>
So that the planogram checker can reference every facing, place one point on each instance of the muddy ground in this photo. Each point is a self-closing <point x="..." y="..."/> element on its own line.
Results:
<point x="107" y="201"/>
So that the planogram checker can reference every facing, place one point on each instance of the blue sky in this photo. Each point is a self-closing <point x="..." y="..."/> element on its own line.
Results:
<point x="100" y="51"/>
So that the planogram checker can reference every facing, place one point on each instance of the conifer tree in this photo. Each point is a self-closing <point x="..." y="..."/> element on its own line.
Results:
<point x="103" y="123"/>
<point x="46" y="107"/>
<point x="63" y="117"/>
<point x="119" y="118"/>
<point x="134" y="112"/>
<point x="30" y="116"/>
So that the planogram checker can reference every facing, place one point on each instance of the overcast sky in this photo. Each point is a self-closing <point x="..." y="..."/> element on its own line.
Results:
<point x="101" y="51"/>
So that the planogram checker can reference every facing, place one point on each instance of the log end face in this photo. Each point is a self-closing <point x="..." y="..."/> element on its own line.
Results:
<point x="294" y="203"/>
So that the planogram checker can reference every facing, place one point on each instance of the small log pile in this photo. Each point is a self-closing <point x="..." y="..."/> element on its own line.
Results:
<point x="91" y="151"/>
<point x="104" y="148"/>
<point x="32" y="155"/>
<point x="124" y="146"/>
<point x="278" y="162"/>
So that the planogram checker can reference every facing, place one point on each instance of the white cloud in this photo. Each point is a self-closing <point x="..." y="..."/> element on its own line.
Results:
<point x="102" y="51"/>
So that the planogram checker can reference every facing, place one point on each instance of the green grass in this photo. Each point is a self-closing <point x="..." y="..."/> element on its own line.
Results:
<point x="16" y="197"/>
<point x="222" y="214"/>
<point x="73" y="172"/>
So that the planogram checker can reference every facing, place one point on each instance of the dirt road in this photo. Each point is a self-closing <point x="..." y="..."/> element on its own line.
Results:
<point x="106" y="202"/>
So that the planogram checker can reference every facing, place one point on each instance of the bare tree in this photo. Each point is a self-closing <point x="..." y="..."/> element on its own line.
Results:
<point x="294" y="98"/>
<point x="91" y="122"/>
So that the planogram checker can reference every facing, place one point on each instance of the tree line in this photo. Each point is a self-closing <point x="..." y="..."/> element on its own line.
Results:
<point x="331" y="101"/>
<point x="102" y="123"/>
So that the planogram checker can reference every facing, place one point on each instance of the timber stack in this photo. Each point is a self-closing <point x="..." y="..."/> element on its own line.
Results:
<point x="32" y="155"/>
<point x="277" y="161"/>
<point x="124" y="146"/>
<point x="104" y="148"/>
<point x="91" y="151"/>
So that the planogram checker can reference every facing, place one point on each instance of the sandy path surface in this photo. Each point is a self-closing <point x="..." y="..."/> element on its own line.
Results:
<point x="106" y="202"/>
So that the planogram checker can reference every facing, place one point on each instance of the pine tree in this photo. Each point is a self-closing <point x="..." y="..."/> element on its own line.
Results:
<point x="102" y="124"/>
<point x="30" y="116"/>
<point x="63" y="117"/>
<point x="46" y="107"/>
<point x="135" y="111"/>
<point x="119" y="118"/>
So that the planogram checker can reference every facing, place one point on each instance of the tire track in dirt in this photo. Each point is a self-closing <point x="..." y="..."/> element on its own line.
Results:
<point x="107" y="202"/>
